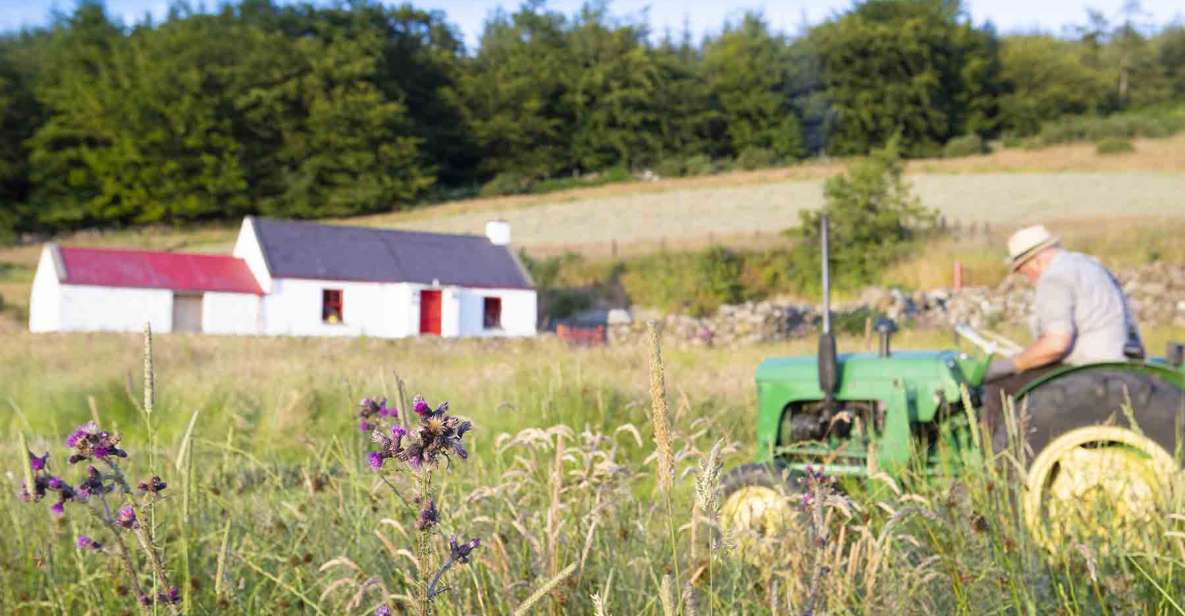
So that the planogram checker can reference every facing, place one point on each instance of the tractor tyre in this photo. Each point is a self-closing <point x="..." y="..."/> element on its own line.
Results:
<point x="1102" y="445"/>
<point x="758" y="510"/>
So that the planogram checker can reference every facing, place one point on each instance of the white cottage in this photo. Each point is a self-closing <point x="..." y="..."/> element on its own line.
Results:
<point x="296" y="278"/>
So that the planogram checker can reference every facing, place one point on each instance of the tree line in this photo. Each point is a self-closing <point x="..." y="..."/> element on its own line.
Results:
<point x="306" y="110"/>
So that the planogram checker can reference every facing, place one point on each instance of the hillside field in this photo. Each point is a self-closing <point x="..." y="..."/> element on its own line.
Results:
<point x="1067" y="185"/>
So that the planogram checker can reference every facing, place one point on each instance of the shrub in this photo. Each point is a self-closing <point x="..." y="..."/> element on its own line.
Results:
<point x="699" y="165"/>
<point x="671" y="167"/>
<point x="1114" y="146"/>
<point x="718" y="271"/>
<point x="967" y="145"/>
<point x="756" y="158"/>
<point x="874" y="217"/>
<point x="506" y="183"/>
<point x="1148" y="123"/>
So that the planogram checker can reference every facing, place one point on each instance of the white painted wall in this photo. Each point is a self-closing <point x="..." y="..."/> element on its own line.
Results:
<point x="247" y="248"/>
<point x="230" y="313"/>
<point x="369" y="309"/>
<point x="90" y="308"/>
<point x="45" y="300"/>
<point x="519" y="312"/>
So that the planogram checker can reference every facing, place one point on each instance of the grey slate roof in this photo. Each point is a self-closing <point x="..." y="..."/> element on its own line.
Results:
<point x="329" y="252"/>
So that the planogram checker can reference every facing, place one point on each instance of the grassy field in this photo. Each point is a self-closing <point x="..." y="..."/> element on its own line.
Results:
<point x="273" y="510"/>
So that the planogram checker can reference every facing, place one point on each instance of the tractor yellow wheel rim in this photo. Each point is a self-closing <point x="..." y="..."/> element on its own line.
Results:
<point x="756" y="520"/>
<point x="1097" y="484"/>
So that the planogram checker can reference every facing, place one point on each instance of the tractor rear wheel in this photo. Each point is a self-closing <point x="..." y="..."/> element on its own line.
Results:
<point x="758" y="510"/>
<point x="1102" y="466"/>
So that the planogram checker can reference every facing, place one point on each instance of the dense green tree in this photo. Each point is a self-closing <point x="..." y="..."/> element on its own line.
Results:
<point x="1046" y="77"/>
<point x="514" y="94"/>
<point x="746" y="71"/>
<point x="910" y="67"/>
<point x="610" y="93"/>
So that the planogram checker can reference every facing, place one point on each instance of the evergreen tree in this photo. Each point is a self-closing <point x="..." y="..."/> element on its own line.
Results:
<point x="746" y="71"/>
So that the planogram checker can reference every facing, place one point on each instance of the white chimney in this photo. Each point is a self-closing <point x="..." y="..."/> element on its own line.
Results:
<point x="499" y="232"/>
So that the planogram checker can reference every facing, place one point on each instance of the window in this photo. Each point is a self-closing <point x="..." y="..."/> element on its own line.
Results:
<point x="331" y="305"/>
<point x="491" y="313"/>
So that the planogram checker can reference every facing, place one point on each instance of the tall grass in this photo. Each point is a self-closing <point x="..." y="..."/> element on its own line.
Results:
<point x="280" y="514"/>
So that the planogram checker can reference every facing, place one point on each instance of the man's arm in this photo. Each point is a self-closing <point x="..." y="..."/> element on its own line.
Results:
<point x="1049" y="348"/>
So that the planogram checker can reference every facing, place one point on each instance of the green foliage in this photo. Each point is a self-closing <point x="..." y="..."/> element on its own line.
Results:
<point x="967" y="145"/>
<point x="1152" y="123"/>
<point x="314" y="109"/>
<point x="1114" y="146"/>
<point x="746" y="71"/>
<point x="874" y="219"/>
<point x="756" y="158"/>
<point x="506" y="183"/>
<point x="910" y="68"/>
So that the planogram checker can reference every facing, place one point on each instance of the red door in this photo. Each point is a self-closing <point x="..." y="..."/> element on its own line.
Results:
<point x="430" y="312"/>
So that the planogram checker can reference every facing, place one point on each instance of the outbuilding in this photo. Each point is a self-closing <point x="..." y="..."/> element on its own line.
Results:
<point x="295" y="278"/>
<point x="100" y="289"/>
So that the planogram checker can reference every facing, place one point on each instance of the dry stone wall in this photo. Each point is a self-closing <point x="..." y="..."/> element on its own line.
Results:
<point x="1156" y="293"/>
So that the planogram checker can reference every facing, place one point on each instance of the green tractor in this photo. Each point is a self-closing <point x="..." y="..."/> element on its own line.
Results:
<point x="1106" y="434"/>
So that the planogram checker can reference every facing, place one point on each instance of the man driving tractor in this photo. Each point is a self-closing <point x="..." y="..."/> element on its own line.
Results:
<point x="1081" y="315"/>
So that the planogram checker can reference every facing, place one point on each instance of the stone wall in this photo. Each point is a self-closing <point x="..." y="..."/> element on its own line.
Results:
<point x="1156" y="293"/>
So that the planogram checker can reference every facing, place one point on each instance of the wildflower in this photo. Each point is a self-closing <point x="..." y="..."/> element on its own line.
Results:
<point x="145" y="600"/>
<point x="86" y="543"/>
<point x="154" y="485"/>
<point x="126" y="517"/>
<point x="428" y="516"/>
<point x="56" y="483"/>
<point x="81" y="433"/>
<point x="58" y="509"/>
<point x="89" y="441"/>
<point x="172" y="596"/>
<point x="421" y="406"/>
<point x="460" y="552"/>
<point x="375" y="459"/>
<point x="383" y="611"/>
<point x="38" y="463"/>
<point x="364" y="426"/>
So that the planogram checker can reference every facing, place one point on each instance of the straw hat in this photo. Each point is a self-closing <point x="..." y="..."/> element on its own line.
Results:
<point x="1027" y="242"/>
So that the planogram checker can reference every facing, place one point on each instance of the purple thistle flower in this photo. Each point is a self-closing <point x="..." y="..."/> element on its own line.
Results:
<point x="81" y="433"/>
<point x="172" y="596"/>
<point x="86" y="543"/>
<point x="421" y="407"/>
<point x="460" y="552"/>
<point x="101" y="451"/>
<point x="387" y="411"/>
<point x="398" y="432"/>
<point x="383" y="611"/>
<point x="58" y="509"/>
<point x="145" y="600"/>
<point x="364" y="426"/>
<point x="55" y="483"/>
<point x="375" y="459"/>
<point x="38" y="463"/>
<point x="154" y="485"/>
<point x="126" y="517"/>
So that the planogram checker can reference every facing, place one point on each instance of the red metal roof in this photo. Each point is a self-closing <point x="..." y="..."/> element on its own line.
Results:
<point x="178" y="271"/>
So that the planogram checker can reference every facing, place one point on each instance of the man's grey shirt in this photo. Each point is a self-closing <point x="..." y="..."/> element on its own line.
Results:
<point x="1077" y="295"/>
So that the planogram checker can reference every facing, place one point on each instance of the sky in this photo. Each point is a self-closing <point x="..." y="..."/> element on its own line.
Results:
<point x="703" y="16"/>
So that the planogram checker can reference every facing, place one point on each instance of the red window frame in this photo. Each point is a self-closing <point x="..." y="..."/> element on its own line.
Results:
<point x="332" y="306"/>
<point x="491" y="313"/>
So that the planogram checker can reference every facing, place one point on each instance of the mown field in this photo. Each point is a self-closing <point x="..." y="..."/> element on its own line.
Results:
<point x="271" y="508"/>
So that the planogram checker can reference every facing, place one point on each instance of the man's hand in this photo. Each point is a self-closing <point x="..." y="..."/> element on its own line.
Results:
<point x="999" y="368"/>
<point x="1051" y="347"/>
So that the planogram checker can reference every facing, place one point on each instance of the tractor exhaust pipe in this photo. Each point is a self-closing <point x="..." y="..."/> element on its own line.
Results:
<point x="828" y="362"/>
